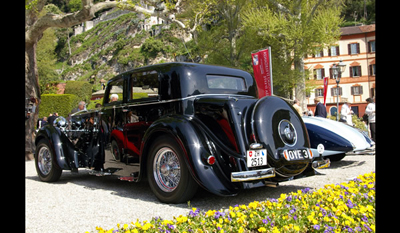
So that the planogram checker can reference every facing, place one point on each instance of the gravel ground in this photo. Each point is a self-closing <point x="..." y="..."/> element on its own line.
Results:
<point x="80" y="202"/>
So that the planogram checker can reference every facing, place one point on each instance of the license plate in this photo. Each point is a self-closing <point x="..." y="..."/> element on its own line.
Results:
<point x="256" y="158"/>
<point x="300" y="154"/>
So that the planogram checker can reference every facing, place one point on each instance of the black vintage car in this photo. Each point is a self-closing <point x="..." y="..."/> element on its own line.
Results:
<point x="181" y="125"/>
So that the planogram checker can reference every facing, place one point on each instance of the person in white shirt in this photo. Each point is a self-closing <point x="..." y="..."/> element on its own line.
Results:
<point x="370" y="111"/>
<point x="345" y="114"/>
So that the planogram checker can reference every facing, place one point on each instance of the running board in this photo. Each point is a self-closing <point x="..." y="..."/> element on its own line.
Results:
<point x="104" y="172"/>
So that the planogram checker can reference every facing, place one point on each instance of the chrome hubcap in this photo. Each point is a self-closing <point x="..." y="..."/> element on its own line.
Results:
<point x="44" y="160"/>
<point x="166" y="169"/>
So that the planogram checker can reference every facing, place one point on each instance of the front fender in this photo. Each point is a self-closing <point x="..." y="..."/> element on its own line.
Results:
<point x="194" y="143"/>
<point x="61" y="146"/>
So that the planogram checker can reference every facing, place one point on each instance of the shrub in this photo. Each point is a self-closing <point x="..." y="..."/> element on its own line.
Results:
<point x="82" y="89"/>
<point x="345" y="207"/>
<point x="60" y="103"/>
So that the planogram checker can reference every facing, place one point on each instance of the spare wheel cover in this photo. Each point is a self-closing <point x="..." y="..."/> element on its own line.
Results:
<point x="278" y="126"/>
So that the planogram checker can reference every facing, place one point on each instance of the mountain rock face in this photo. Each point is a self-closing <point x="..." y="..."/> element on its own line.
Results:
<point x="121" y="44"/>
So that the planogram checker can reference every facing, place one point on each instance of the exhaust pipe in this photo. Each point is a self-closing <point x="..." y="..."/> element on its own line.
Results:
<point x="271" y="184"/>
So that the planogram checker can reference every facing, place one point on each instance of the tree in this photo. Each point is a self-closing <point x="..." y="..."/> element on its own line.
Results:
<point x="36" y="24"/>
<point x="224" y="39"/>
<point x="298" y="28"/>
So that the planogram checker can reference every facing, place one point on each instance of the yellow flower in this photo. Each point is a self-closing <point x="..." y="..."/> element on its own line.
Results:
<point x="283" y="197"/>
<point x="354" y="211"/>
<point x="181" y="219"/>
<point x="166" y="222"/>
<point x="147" y="226"/>
<point x="372" y="227"/>
<point x="210" y="213"/>
<point x="275" y="230"/>
<point x="137" y="224"/>
<point x="296" y="228"/>
<point x="125" y="226"/>
<point x="262" y="229"/>
<point x="253" y="205"/>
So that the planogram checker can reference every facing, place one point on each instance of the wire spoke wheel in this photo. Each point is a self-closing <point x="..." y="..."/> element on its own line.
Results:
<point x="44" y="161"/>
<point x="166" y="169"/>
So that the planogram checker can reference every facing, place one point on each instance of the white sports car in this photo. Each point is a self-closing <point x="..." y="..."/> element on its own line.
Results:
<point x="337" y="138"/>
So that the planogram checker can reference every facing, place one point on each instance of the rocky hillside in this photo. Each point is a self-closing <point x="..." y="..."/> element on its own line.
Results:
<point x="120" y="44"/>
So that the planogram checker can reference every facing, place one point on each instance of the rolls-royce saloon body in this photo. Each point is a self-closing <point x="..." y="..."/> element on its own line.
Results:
<point x="183" y="126"/>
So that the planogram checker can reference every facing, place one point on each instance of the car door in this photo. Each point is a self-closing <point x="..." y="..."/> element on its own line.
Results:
<point x="112" y="116"/>
<point x="140" y="111"/>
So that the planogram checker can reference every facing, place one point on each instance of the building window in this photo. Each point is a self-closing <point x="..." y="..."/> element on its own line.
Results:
<point x="371" y="46"/>
<point x="319" y="54"/>
<point x="354" y="48"/>
<point x="319" y="74"/>
<point x="372" y="70"/>
<point x="319" y="92"/>
<point x="355" y="71"/>
<point x="357" y="90"/>
<point x="334" y="91"/>
<point x="331" y="74"/>
<point x="333" y="51"/>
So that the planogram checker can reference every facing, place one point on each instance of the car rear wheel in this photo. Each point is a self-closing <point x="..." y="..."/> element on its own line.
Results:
<point x="45" y="163"/>
<point x="169" y="177"/>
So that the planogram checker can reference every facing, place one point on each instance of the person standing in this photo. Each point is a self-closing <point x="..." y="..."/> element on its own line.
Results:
<point x="81" y="107"/>
<point x="346" y="114"/>
<point x="370" y="111"/>
<point x="52" y="118"/>
<point x="297" y="107"/>
<point x="320" y="110"/>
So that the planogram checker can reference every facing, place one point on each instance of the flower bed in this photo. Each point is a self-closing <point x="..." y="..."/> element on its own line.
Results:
<point x="345" y="207"/>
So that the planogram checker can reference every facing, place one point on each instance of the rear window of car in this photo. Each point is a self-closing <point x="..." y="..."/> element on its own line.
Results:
<point x="226" y="82"/>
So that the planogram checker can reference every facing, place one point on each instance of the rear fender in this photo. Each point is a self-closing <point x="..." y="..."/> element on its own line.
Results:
<point x="194" y="143"/>
<point x="61" y="146"/>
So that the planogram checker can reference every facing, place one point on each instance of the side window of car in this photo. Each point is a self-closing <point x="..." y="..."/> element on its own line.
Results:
<point x="114" y="93"/>
<point x="144" y="86"/>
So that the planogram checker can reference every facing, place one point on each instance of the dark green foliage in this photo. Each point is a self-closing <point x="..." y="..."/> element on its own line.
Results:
<point x="82" y="89"/>
<point x="62" y="104"/>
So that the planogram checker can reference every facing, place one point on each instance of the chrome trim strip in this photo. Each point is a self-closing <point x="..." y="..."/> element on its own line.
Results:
<point x="175" y="100"/>
<point x="252" y="175"/>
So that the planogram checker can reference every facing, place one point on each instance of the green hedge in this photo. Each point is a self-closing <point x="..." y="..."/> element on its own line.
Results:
<point x="82" y="89"/>
<point x="60" y="103"/>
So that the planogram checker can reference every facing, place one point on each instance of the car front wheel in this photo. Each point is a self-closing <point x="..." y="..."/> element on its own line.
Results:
<point x="169" y="177"/>
<point x="45" y="163"/>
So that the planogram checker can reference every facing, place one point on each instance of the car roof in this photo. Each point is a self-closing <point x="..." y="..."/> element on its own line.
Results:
<point x="189" y="75"/>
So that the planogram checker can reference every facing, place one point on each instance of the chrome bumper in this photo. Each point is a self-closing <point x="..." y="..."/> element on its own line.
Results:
<point x="321" y="163"/>
<point x="367" y="151"/>
<point x="252" y="175"/>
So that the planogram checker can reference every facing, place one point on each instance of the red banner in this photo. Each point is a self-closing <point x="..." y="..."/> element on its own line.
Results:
<point x="325" y="89"/>
<point x="263" y="71"/>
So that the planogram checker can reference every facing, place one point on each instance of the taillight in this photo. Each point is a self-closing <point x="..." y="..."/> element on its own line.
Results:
<point x="211" y="159"/>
